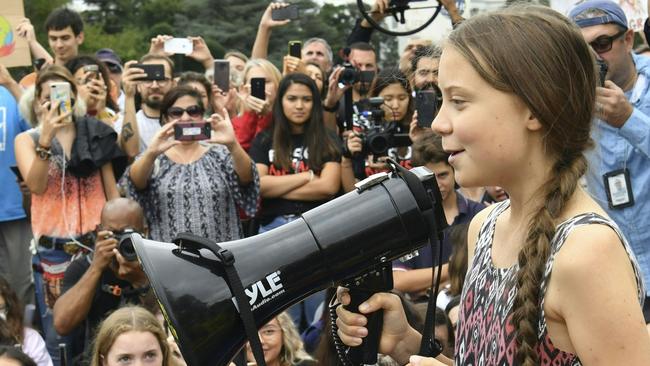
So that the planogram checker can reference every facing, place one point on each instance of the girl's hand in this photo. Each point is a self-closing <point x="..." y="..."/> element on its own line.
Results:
<point x="51" y="123"/>
<point x="163" y="140"/>
<point x="224" y="133"/>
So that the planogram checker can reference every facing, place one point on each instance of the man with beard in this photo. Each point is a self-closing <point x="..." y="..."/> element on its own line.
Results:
<point x="424" y="67"/>
<point x="138" y="129"/>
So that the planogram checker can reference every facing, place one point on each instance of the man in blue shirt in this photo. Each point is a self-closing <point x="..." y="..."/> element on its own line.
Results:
<point x="15" y="230"/>
<point x="619" y="171"/>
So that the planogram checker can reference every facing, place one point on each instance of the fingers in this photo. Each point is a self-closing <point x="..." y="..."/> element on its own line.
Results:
<point x="351" y="326"/>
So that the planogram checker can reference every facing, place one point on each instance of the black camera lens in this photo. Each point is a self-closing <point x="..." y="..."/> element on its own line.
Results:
<point x="125" y="247"/>
<point x="349" y="75"/>
<point x="378" y="143"/>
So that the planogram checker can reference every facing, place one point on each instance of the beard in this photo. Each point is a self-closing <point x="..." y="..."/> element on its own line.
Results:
<point x="153" y="102"/>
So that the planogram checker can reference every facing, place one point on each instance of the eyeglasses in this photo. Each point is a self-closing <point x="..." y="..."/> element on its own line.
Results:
<point x="193" y="111"/>
<point x="603" y="43"/>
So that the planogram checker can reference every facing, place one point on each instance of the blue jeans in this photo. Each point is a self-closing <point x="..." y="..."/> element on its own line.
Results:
<point x="303" y="312"/>
<point x="52" y="257"/>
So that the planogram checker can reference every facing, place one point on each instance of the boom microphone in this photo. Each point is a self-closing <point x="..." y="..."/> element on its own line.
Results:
<point x="387" y="216"/>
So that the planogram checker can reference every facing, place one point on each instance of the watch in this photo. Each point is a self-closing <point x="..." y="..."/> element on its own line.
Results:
<point x="43" y="153"/>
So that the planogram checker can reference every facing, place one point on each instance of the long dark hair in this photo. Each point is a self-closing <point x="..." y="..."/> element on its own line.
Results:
<point x="319" y="143"/>
<point x="392" y="76"/>
<point x="80" y="61"/>
<point x="11" y="330"/>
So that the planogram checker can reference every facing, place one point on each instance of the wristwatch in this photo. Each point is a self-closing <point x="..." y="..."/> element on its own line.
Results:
<point x="43" y="153"/>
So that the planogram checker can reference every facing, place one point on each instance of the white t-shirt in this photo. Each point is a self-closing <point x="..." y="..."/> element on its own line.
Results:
<point x="34" y="347"/>
<point x="147" y="128"/>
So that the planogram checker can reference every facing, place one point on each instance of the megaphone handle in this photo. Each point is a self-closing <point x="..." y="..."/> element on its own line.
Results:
<point x="366" y="353"/>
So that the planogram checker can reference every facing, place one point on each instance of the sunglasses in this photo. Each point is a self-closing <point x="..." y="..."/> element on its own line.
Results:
<point x="603" y="44"/>
<point x="193" y="111"/>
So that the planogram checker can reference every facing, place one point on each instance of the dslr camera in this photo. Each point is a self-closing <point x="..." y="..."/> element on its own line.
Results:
<point x="125" y="245"/>
<point x="377" y="135"/>
<point x="351" y="75"/>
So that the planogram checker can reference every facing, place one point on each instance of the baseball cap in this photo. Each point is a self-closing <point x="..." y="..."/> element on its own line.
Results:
<point x="109" y="57"/>
<point x="605" y="12"/>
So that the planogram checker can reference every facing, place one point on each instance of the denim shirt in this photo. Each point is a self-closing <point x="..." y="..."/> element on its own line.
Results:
<point x="627" y="147"/>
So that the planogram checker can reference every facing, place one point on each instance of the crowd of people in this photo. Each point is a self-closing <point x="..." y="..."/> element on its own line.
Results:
<point x="540" y="146"/>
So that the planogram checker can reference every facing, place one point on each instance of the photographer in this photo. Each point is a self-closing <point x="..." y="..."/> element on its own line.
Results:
<point x="391" y="118"/>
<point x="95" y="87"/>
<point x="96" y="284"/>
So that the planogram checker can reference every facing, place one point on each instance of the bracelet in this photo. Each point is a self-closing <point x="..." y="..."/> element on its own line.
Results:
<point x="311" y="175"/>
<point x="332" y="109"/>
<point x="43" y="153"/>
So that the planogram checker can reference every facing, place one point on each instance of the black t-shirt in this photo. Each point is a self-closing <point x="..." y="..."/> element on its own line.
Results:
<point x="103" y="302"/>
<point x="262" y="153"/>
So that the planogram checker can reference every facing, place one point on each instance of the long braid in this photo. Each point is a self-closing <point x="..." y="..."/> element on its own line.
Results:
<point x="533" y="256"/>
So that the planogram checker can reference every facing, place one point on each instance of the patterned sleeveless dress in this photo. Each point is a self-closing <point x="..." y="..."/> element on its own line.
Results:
<point x="485" y="335"/>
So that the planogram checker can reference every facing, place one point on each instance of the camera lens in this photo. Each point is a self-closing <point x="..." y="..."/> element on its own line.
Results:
<point x="126" y="249"/>
<point x="378" y="144"/>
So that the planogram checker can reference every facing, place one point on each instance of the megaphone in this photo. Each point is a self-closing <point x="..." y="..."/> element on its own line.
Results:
<point x="388" y="216"/>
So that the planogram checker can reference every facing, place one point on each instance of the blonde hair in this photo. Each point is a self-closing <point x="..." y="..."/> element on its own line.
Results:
<point x="541" y="57"/>
<point x="50" y="73"/>
<point x="269" y="69"/>
<point x="127" y="319"/>
<point x="293" y="349"/>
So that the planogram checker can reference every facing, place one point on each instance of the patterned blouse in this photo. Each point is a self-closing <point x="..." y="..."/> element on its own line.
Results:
<point x="485" y="333"/>
<point x="201" y="197"/>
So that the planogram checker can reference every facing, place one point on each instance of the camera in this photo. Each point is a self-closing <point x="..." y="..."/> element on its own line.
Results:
<point x="125" y="245"/>
<point x="377" y="137"/>
<point x="351" y="75"/>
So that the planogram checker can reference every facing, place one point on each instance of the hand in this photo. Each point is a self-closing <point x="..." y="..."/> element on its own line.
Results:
<point x="415" y="131"/>
<point x="5" y="77"/>
<point x="292" y="64"/>
<point x="334" y="93"/>
<point x="25" y="30"/>
<point x="224" y="133"/>
<point x="251" y="103"/>
<point x="104" y="246"/>
<point x="377" y="12"/>
<point x="219" y="98"/>
<point x="395" y="331"/>
<point x="163" y="140"/>
<point x="611" y="105"/>
<point x="354" y="143"/>
<point x="94" y="92"/>
<point x="158" y="45"/>
<point x="423" y="361"/>
<point x="130" y="271"/>
<point x="131" y="77"/>
<point x="201" y="52"/>
<point x="450" y="6"/>
<point x="267" y="21"/>
<point x="51" y="123"/>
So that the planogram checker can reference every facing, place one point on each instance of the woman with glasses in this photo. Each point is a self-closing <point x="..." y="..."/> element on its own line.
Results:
<point x="281" y="344"/>
<point x="187" y="186"/>
<point x="14" y="333"/>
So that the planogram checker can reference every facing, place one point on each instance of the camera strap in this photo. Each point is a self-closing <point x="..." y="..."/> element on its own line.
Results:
<point x="227" y="261"/>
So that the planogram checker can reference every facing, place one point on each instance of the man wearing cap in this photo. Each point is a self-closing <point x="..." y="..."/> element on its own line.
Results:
<point x="619" y="165"/>
<point x="114" y="65"/>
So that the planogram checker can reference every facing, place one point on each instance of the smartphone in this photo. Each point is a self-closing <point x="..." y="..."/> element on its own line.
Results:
<point x="60" y="96"/>
<point x="17" y="172"/>
<point x="93" y="70"/>
<point x="288" y="12"/>
<point x="295" y="49"/>
<point x="258" y="88"/>
<point x="154" y="71"/>
<point x="222" y="74"/>
<point x="426" y="106"/>
<point x="193" y="131"/>
<point x="179" y="45"/>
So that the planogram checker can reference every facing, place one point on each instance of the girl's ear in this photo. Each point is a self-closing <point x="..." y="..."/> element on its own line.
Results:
<point x="532" y="123"/>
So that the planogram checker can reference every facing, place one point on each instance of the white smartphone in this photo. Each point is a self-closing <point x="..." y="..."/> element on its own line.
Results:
<point x="179" y="45"/>
<point x="60" y="96"/>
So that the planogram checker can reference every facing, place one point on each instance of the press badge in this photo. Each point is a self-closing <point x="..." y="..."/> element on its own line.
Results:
<point x="619" y="189"/>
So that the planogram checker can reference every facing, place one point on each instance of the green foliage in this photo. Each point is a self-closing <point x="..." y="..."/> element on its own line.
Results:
<point x="127" y="26"/>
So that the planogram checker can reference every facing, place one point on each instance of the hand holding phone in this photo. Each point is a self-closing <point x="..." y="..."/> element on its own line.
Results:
<point x="426" y="106"/>
<point x="258" y="88"/>
<point x="153" y="71"/>
<point x="181" y="46"/>
<point x="192" y="131"/>
<point x="60" y="98"/>
<point x="222" y="75"/>
<point x="295" y="49"/>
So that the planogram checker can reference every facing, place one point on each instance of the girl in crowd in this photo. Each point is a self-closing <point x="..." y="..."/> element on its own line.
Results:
<point x="299" y="159"/>
<point x="131" y="335"/>
<point x="519" y="117"/>
<point x="12" y="329"/>
<point x="95" y="88"/>
<point x="257" y="112"/>
<point x="66" y="163"/>
<point x="393" y="86"/>
<point x="186" y="186"/>
<point x="314" y="71"/>
<point x="282" y="344"/>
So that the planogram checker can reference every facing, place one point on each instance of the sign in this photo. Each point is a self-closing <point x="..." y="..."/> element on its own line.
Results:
<point x="14" y="51"/>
